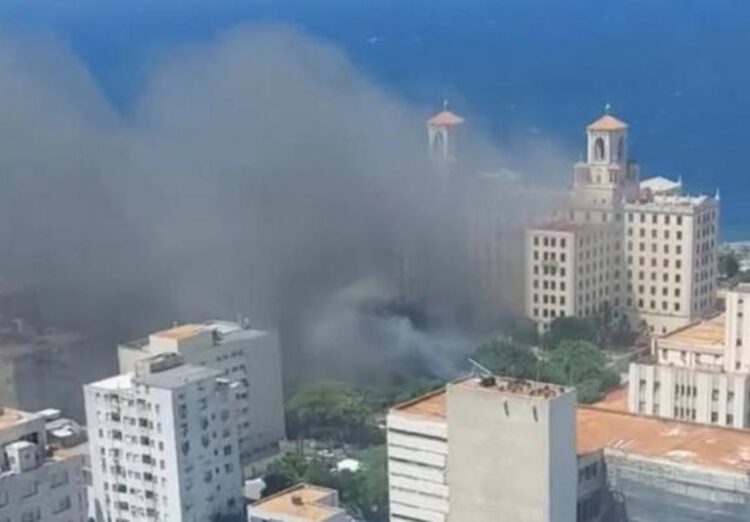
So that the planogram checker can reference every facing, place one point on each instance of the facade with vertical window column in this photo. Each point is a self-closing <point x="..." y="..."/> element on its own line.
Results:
<point x="38" y="481"/>
<point x="700" y="372"/>
<point x="163" y="443"/>
<point x="654" y="263"/>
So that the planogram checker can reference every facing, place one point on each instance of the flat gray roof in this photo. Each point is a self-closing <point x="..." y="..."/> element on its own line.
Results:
<point x="178" y="376"/>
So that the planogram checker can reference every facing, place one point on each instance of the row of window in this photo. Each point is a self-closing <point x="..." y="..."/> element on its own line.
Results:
<point x="549" y="241"/>
<point x="550" y="299"/>
<point x="641" y="217"/>
<point x="548" y="313"/>
<point x="667" y="234"/>
<point x="654" y="262"/>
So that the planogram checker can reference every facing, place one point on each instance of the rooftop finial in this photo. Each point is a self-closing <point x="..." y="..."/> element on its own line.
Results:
<point x="607" y="107"/>
<point x="445" y="104"/>
<point x="718" y="194"/>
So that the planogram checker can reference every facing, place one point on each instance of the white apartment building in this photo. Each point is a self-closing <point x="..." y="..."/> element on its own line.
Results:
<point x="241" y="354"/>
<point x="450" y="454"/>
<point x="656" y="263"/>
<point x="38" y="482"/>
<point x="700" y="372"/>
<point x="163" y="443"/>
<point x="299" y="503"/>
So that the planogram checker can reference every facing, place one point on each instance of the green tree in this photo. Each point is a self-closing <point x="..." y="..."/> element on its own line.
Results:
<point x="583" y="365"/>
<point x="383" y="397"/>
<point x="728" y="265"/>
<point x="285" y="472"/>
<point x="364" y="493"/>
<point x="523" y="331"/>
<point x="507" y="359"/>
<point x="568" y="329"/>
<point x="333" y="412"/>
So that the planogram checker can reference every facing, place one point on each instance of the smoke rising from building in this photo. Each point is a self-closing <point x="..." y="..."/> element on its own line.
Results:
<point x="258" y="174"/>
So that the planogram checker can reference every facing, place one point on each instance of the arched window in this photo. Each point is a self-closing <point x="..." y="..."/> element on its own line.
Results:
<point x="621" y="149"/>
<point x="599" y="149"/>
<point x="438" y="144"/>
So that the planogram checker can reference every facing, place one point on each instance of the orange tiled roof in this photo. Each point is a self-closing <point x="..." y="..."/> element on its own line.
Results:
<point x="180" y="332"/>
<point x="608" y="123"/>
<point x="445" y="118"/>
<point x="599" y="428"/>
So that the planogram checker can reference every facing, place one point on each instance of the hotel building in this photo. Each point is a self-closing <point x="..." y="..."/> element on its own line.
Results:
<point x="642" y="247"/>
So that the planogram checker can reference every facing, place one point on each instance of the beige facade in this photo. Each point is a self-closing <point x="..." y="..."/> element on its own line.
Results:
<point x="571" y="270"/>
<point x="653" y="256"/>
<point x="700" y="372"/>
<point x="467" y="439"/>
<point x="670" y="249"/>
<point x="626" y="467"/>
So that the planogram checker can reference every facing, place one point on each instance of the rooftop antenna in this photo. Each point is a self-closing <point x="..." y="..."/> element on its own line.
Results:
<point x="479" y="370"/>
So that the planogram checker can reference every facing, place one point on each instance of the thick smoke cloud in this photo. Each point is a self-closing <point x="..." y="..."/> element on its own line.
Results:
<point x="259" y="174"/>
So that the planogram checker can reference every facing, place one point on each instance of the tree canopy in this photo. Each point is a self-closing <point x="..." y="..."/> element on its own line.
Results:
<point x="507" y="359"/>
<point x="523" y="331"/>
<point x="573" y="363"/>
<point x="729" y="267"/>
<point x="583" y="365"/>
<point x="331" y="411"/>
<point x="364" y="493"/>
<point x="568" y="329"/>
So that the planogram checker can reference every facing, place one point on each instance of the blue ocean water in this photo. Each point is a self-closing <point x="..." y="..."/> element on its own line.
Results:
<point x="677" y="70"/>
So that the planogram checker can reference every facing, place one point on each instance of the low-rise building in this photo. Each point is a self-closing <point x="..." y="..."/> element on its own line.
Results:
<point x="299" y="503"/>
<point x="700" y="372"/>
<point x="240" y="353"/>
<point x="39" y="480"/>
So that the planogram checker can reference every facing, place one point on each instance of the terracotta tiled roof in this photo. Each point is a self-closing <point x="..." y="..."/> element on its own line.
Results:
<point x="445" y="118"/>
<point x="607" y="123"/>
<point x="605" y="426"/>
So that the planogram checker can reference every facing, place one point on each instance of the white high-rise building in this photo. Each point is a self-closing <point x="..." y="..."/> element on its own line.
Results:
<point x="700" y="372"/>
<point x="163" y="443"/>
<point x="485" y="449"/>
<point x="240" y="354"/>
<point x="641" y="248"/>
<point x="38" y="482"/>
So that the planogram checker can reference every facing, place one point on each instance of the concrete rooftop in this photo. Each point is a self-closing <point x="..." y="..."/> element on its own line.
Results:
<point x="708" y="333"/>
<point x="302" y="501"/>
<point x="600" y="428"/>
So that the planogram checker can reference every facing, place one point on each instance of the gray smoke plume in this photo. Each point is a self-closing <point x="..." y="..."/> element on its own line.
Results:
<point x="259" y="174"/>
